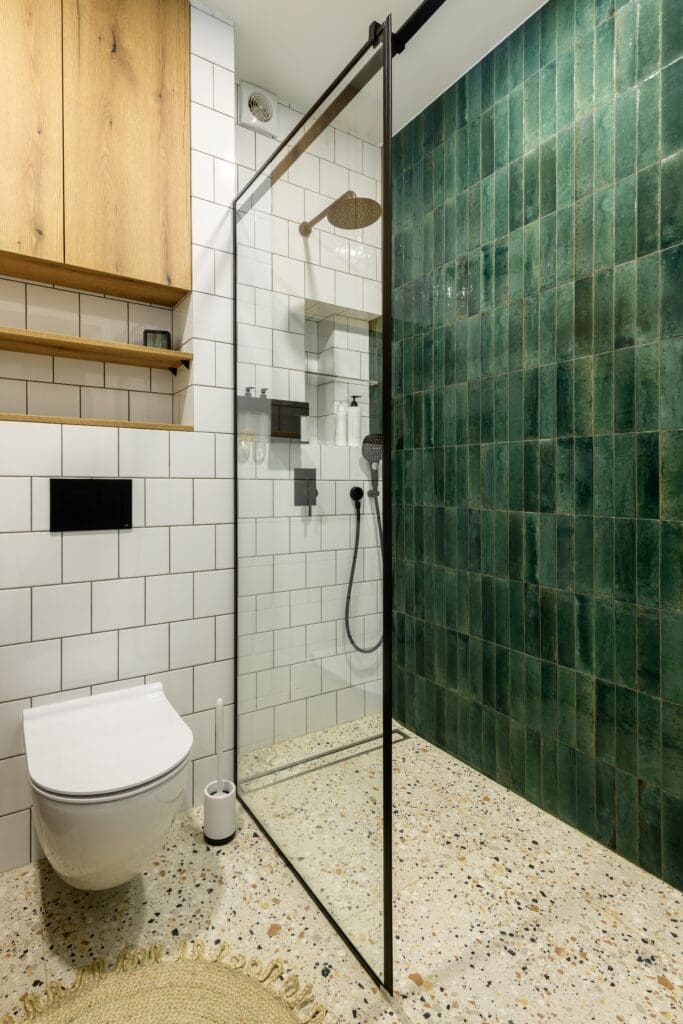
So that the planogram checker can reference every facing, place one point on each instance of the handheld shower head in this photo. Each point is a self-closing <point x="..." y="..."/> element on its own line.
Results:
<point x="373" y="451"/>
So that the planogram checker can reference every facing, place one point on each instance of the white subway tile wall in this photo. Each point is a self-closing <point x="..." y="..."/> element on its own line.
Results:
<point x="303" y="319"/>
<point x="84" y="612"/>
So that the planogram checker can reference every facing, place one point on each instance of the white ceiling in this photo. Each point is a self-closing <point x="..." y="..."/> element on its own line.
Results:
<point x="295" y="48"/>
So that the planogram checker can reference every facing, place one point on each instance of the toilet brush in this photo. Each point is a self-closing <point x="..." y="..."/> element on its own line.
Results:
<point x="219" y="796"/>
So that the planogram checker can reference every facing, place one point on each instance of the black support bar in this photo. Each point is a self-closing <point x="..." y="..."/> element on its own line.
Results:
<point x="412" y="25"/>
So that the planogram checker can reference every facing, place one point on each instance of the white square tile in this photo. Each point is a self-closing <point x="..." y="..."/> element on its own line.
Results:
<point x="143" y="452"/>
<point x="15" y="617"/>
<point x="288" y="276"/>
<point x="225" y="637"/>
<point x="30" y="449"/>
<point x="334" y="179"/>
<point x="192" y="455"/>
<point x="29" y="669"/>
<point x="118" y="604"/>
<point x="305" y="606"/>
<point x="321" y="712"/>
<point x="211" y="226"/>
<point x="12" y="303"/>
<point x="213" y="593"/>
<point x="30" y="559"/>
<point x="212" y="681"/>
<point x="204" y="733"/>
<point x="306" y="679"/>
<point x="212" y="39"/>
<point x="89" y="659"/>
<point x="11" y="732"/>
<point x="90" y="556"/>
<point x="177" y="688"/>
<point x="104" y="404"/>
<point x="192" y="642"/>
<point x="350" y="704"/>
<point x="128" y="378"/>
<point x="202" y="174"/>
<point x="12" y="395"/>
<point x="290" y="720"/>
<point x="213" y="409"/>
<point x="201" y="81"/>
<point x="62" y="610"/>
<point x="53" y="399"/>
<point x="144" y="552"/>
<point x="15" y="840"/>
<point x="272" y="687"/>
<point x="225" y="182"/>
<point x="143" y="650"/>
<point x="289" y="571"/>
<point x="104" y="319"/>
<point x="90" y="451"/>
<point x="213" y="501"/>
<point x="245" y="147"/>
<point x="50" y="309"/>
<point x="25" y="366"/>
<point x="272" y="536"/>
<point x="224" y="91"/>
<point x="289" y="645"/>
<point x="82" y="373"/>
<point x="211" y="317"/>
<point x="168" y="502"/>
<point x="202" y="270"/>
<point x="192" y="548"/>
<point x="169" y="598"/>
<point x="15" y="504"/>
<point x="212" y="132"/>
<point x="149" y="408"/>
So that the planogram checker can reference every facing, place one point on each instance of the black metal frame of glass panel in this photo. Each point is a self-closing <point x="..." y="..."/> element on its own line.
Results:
<point x="388" y="44"/>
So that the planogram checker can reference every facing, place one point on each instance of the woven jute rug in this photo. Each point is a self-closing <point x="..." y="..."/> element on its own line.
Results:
<point x="191" y="987"/>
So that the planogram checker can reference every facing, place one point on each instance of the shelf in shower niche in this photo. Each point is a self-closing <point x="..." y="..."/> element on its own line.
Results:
<point x="45" y="343"/>
<point x="341" y="378"/>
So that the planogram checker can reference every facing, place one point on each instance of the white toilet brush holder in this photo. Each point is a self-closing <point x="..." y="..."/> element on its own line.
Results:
<point x="220" y="800"/>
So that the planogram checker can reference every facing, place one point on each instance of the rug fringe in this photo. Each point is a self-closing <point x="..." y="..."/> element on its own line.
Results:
<point x="299" y="998"/>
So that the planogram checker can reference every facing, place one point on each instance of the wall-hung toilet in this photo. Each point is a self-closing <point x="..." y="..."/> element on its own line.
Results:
<point x="108" y="775"/>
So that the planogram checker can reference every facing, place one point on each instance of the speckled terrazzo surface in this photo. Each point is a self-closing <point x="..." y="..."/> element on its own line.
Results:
<point x="502" y="913"/>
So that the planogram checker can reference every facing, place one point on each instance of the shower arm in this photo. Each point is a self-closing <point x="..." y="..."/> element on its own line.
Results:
<point x="306" y="226"/>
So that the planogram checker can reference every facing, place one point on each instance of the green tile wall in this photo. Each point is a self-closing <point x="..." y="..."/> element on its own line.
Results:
<point x="538" y="441"/>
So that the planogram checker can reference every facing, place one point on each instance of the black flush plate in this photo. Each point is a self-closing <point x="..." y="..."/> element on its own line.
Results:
<point x="91" y="505"/>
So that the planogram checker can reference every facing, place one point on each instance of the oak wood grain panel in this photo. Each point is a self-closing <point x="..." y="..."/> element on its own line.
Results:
<point x="31" y="195"/>
<point x="34" y="269"/>
<point x="126" y="138"/>
<point x="45" y="343"/>
<point x="77" y="422"/>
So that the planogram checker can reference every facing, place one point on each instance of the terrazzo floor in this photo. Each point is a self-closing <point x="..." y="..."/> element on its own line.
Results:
<point x="502" y="913"/>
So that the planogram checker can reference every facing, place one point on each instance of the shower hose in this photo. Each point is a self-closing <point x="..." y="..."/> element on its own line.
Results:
<point x="354" y="560"/>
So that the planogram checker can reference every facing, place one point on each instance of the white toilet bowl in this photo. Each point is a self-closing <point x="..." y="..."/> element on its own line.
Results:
<point x="108" y="775"/>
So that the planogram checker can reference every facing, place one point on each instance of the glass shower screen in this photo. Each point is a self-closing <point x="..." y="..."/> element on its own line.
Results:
<point x="313" y="726"/>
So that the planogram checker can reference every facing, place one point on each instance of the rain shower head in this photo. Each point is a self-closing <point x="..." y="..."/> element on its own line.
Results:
<point x="350" y="213"/>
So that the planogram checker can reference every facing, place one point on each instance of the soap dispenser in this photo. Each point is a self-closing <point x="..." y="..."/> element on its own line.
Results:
<point x="354" y="422"/>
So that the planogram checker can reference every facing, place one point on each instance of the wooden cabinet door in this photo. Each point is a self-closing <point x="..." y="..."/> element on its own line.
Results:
<point x="126" y="138"/>
<point x="31" y="201"/>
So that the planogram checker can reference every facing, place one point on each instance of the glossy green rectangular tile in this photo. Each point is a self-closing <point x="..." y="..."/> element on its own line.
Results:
<point x="626" y="726"/>
<point x="649" y="24"/>
<point x="625" y="140"/>
<point x="624" y="396"/>
<point x="625" y="235"/>
<point x="647" y="477"/>
<point x="648" y="652"/>
<point x="625" y="643"/>
<point x="672" y="38"/>
<point x="585" y="631"/>
<point x="566" y="624"/>
<point x="649" y="99"/>
<point x="626" y="47"/>
<point x="565" y="252"/>
<point x="565" y="554"/>
<point x="584" y="224"/>
<point x="604" y="169"/>
<point x="604" y="228"/>
<point x="671" y="384"/>
<point x="548" y="309"/>
<point x="649" y="738"/>
<point x="648" y="541"/>
<point x="565" y="90"/>
<point x="672" y="657"/>
<point x="583" y="555"/>
<point x="501" y="69"/>
<point x="585" y="714"/>
<point x="604" y="557"/>
<point x="672" y="749"/>
<point x="672" y="829"/>
<point x="648" y="210"/>
<point x="605" y="721"/>
<point x="671" y="210"/>
<point x="648" y="299"/>
<point x="625" y="563"/>
<point x="671" y="295"/>
<point x="605" y="818"/>
<point x="627" y="815"/>
<point x="603" y="487"/>
<point x="649" y="828"/>
<point x="672" y="474"/>
<point x="671" y="571"/>
<point x="583" y="74"/>
<point x="584" y="156"/>
<point x="531" y="186"/>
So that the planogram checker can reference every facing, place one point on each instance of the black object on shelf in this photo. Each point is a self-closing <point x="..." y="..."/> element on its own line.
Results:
<point x="91" y="505"/>
<point x="285" y="418"/>
<point x="156" y="339"/>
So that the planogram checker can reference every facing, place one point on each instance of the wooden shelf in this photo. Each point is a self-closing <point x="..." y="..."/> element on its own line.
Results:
<point x="43" y="343"/>
<point x="76" y="421"/>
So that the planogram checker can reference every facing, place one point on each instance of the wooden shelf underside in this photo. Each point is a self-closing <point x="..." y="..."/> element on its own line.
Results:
<point x="76" y="421"/>
<point x="44" y="343"/>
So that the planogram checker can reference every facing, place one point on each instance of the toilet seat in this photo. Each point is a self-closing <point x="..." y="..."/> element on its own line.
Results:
<point x="113" y="746"/>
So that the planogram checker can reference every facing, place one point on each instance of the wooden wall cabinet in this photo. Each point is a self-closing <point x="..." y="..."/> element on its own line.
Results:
<point x="95" y="190"/>
<point x="31" y="200"/>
